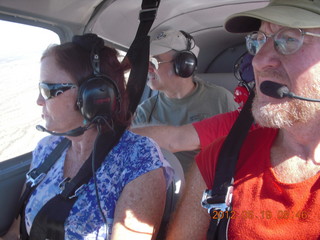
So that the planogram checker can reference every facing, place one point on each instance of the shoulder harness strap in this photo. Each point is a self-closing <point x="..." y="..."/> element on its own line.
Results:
<point x="34" y="177"/>
<point x="218" y="199"/>
<point x="138" y="53"/>
<point x="49" y="222"/>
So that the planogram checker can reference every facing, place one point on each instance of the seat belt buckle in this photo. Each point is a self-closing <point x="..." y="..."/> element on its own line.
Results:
<point x="210" y="202"/>
<point x="78" y="191"/>
<point x="63" y="183"/>
<point x="34" y="180"/>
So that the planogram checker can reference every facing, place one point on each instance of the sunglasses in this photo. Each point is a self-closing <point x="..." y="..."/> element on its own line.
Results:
<point x="156" y="63"/>
<point x="51" y="90"/>
<point x="286" y="41"/>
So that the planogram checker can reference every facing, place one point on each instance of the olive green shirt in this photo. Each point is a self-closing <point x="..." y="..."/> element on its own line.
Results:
<point x="204" y="101"/>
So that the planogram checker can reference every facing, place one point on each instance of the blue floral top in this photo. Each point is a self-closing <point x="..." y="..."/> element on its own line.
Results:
<point x="132" y="157"/>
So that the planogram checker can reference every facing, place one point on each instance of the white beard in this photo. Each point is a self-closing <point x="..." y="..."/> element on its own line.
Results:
<point x="286" y="114"/>
<point x="153" y="80"/>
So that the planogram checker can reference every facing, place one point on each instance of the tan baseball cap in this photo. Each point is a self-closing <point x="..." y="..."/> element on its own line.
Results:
<point x="171" y="40"/>
<point x="288" y="13"/>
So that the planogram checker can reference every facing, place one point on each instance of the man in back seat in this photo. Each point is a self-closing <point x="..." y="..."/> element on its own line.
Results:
<point x="197" y="135"/>
<point x="182" y="98"/>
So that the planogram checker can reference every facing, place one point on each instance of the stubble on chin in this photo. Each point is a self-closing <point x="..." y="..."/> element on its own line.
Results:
<point x="269" y="115"/>
<point x="284" y="114"/>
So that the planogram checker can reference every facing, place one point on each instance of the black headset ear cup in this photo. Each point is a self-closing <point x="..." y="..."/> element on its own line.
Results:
<point x="98" y="96"/>
<point x="185" y="63"/>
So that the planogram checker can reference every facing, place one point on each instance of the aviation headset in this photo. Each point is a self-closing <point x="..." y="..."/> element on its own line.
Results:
<point x="243" y="71"/>
<point x="98" y="96"/>
<point x="185" y="62"/>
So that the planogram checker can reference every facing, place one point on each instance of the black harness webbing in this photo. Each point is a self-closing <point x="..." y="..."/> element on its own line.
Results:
<point x="218" y="199"/>
<point x="34" y="177"/>
<point x="49" y="222"/>
<point x="138" y="53"/>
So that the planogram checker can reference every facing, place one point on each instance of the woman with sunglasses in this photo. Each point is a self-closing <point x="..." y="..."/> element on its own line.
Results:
<point x="125" y="197"/>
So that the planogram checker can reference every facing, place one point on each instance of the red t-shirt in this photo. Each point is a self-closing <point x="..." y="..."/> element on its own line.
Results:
<point x="264" y="207"/>
<point x="214" y="127"/>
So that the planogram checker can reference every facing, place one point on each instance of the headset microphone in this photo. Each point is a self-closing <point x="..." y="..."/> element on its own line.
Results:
<point x="277" y="90"/>
<point x="72" y="133"/>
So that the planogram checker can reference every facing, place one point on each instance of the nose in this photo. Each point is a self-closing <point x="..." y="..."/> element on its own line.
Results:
<point x="267" y="57"/>
<point x="40" y="100"/>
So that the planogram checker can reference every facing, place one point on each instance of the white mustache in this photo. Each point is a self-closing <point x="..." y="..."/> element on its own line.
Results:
<point x="151" y="75"/>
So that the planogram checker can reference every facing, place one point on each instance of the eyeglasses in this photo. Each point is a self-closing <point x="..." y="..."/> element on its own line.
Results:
<point x="155" y="62"/>
<point x="286" y="41"/>
<point x="51" y="90"/>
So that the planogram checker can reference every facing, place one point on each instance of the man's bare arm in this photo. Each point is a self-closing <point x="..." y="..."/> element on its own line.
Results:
<point x="190" y="220"/>
<point x="172" y="138"/>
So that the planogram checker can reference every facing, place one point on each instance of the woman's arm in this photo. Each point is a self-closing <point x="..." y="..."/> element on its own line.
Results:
<point x="140" y="207"/>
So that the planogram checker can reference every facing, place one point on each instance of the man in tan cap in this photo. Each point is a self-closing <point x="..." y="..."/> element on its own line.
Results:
<point x="276" y="189"/>
<point x="182" y="97"/>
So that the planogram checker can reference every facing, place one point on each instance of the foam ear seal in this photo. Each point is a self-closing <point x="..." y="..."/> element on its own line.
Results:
<point x="185" y="63"/>
<point x="97" y="97"/>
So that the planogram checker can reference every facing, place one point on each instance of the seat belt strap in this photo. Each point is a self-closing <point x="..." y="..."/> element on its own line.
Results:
<point x="33" y="174"/>
<point x="138" y="54"/>
<point x="36" y="175"/>
<point x="104" y="143"/>
<point x="49" y="221"/>
<point x="219" y="198"/>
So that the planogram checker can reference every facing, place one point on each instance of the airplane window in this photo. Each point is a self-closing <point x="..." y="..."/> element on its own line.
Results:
<point x="21" y="47"/>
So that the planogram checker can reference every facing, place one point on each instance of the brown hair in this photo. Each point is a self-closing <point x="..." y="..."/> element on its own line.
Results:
<point x="76" y="61"/>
